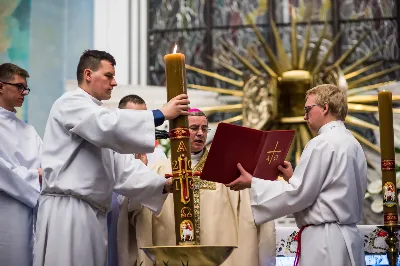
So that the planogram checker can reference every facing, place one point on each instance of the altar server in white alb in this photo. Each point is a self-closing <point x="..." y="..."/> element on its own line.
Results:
<point x="20" y="173"/>
<point x="88" y="154"/>
<point x="326" y="190"/>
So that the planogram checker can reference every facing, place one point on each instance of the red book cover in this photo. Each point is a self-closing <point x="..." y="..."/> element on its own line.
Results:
<point x="259" y="152"/>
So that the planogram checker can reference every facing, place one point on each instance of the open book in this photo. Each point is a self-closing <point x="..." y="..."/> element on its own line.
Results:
<point x="259" y="152"/>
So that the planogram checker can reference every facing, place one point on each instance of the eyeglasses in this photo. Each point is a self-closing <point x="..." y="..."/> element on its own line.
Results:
<point x="307" y="109"/>
<point x="20" y="87"/>
<point x="204" y="129"/>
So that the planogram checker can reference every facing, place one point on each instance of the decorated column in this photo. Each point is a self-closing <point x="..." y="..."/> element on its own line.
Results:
<point x="180" y="154"/>
<point x="390" y="217"/>
<point x="387" y="158"/>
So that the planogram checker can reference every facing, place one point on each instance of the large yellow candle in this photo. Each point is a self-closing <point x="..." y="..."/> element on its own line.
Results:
<point x="180" y="154"/>
<point x="387" y="158"/>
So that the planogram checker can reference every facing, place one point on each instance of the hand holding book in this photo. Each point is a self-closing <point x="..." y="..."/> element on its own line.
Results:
<point x="286" y="170"/>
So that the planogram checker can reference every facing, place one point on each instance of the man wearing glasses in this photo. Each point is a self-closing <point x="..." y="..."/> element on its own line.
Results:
<point x="20" y="172"/>
<point x="225" y="216"/>
<point x="325" y="192"/>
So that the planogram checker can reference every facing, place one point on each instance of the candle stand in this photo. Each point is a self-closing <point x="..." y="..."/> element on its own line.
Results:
<point x="388" y="168"/>
<point x="392" y="250"/>
<point x="187" y="251"/>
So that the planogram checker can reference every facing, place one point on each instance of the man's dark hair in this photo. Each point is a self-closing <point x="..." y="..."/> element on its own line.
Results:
<point x="8" y="71"/>
<point x="90" y="59"/>
<point x="130" y="99"/>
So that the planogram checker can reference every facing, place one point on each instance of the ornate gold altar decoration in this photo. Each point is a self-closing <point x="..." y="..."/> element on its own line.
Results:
<point x="273" y="94"/>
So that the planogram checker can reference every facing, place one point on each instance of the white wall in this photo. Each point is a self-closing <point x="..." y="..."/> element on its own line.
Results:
<point x="120" y="28"/>
<point x="60" y="32"/>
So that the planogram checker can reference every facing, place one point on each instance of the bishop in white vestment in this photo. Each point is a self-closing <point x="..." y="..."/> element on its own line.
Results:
<point x="325" y="192"/>
<point x="20" y="156"/>
<point x="224" y="219"/>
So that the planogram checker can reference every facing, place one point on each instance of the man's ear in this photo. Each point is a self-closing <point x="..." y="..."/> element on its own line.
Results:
<point x="326" y="108"/>
<point x="1" y="87"/>
<point x="87" y="74"/>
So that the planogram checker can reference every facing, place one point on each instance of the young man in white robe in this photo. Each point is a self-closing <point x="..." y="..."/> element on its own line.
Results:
<point x="325" y="192"/>
<point x="20" y="173"/>
<point x="225" y="216"/>
<point x="133" y="102"/>
<point x="88" y="154"/>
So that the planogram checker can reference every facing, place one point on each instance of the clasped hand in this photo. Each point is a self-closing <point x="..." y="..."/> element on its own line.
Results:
<point x="168" y="185"/>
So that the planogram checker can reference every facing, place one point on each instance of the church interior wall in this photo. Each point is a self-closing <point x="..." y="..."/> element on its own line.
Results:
<point x="47" y="37"/>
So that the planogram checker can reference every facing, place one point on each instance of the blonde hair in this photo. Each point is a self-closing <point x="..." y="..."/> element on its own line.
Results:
<point x="333" y="96"/>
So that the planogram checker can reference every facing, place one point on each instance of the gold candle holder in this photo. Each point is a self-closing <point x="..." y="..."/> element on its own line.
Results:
<point x="391" y="240"/>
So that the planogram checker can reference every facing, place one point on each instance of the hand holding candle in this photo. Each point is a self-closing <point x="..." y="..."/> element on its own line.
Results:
<point x="177" y="106"/>
<point x="387" y="158"/>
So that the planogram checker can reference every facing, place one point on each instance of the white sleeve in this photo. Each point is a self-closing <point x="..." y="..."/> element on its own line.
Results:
<point x="273" y="199"/>
<point x="124" y="131"/>
<point x="31" y="175"/>
<point x="137" y="182"/>
<point x="13" y="182"/>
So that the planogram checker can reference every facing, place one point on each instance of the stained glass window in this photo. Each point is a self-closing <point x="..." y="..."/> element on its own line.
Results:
<point x="239" y="12"/>
<point x="198" y="27"/>
<point x="176" y="14"/>
<point x="367" y="9"/>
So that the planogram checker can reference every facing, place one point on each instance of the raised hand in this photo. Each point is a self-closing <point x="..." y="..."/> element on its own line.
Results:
<point x="178" y="105"/>
<point x="243" y="181"/>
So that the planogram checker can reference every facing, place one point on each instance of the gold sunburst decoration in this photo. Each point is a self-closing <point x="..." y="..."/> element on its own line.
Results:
<point x="273" y="94"/>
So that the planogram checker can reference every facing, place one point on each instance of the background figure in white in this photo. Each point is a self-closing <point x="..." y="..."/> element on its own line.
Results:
<point x="133" y="102"/>
<point x="87" y="153"/>
<point x="325" y="192"/>
<point x="20" y="173"/>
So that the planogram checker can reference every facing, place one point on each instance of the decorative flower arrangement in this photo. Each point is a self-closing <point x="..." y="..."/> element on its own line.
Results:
<point x="289" y="246"/>
<point x="375" y="241"/>
<point x="165" y="144"/>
